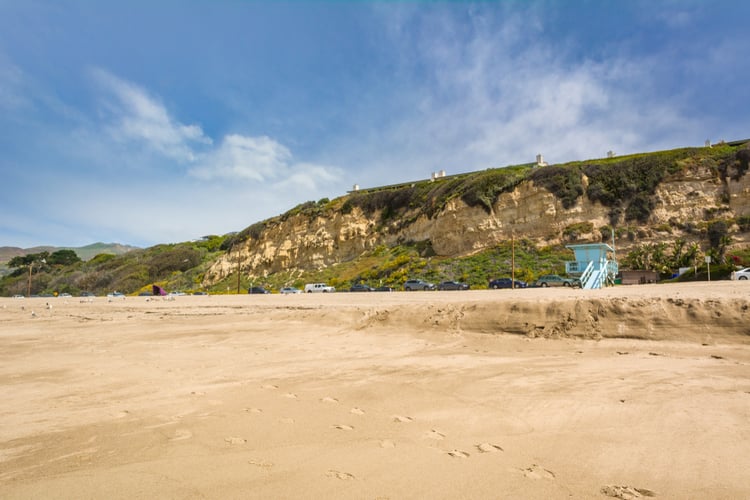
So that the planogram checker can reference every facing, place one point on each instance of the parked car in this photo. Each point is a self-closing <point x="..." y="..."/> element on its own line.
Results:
<point x="257" y="290"/>
<point x="411" y="285"/>
<point x="87" y="294"/>
<point x="742" y="274"/>
<point x="452" y="285"/>
<point x="385" y="289"/>
<point x="361" y="287"/>
<point x="18" y="296"/>
<point x="289" y="289"/>
<point x="200" y="293"/>
<point x="65" y="295"/>
<point x="319" y="288"/>
<point x="507" y="283"/>
<point x="556" y="280"/>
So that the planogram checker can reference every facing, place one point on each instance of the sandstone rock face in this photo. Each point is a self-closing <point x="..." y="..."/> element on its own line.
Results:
<point x="301" y="242"/>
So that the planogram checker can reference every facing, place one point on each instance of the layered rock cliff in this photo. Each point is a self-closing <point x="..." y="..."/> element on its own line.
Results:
<point x="696" y="187"/>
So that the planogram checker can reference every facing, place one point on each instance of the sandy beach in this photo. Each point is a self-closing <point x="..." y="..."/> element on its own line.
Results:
<point x="628" y="392"/>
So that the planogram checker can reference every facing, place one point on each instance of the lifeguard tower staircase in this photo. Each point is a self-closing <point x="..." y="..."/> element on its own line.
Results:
<point x="595" y="265"/>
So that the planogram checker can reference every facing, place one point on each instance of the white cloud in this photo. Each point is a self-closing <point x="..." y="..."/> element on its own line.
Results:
<point x="139" y="117"/>
<point x="311" y="178"/>
<point x="244" y="158"/>
<point x="134" y="115"/>
<point x="265" y="161"/>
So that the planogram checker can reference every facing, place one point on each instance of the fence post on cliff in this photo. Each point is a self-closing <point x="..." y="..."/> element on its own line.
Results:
<point x="708" y="265"/>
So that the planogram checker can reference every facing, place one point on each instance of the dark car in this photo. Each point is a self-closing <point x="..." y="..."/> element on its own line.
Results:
<point x="506" y="283"/>
<point x="452" y="285"/>
<point x="257" y="289"/>
<point x="555" y="280"/>
<point x="411" y="285"/>
<point x="360" y="287"/>
<point x="384" y="289"/>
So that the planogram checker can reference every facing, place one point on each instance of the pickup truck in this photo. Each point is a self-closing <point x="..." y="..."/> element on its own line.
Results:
<point x="319" y="287"/>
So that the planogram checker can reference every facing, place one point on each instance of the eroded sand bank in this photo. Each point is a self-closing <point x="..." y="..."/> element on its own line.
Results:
<point x="625" y="392"/>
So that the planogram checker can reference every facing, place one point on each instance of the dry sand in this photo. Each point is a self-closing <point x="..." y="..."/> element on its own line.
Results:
<point x="619" y="393"/>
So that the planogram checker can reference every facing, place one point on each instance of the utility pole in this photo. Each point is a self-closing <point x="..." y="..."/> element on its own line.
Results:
<point x="512" y="259"/>
<point x="238" y="273"/>
<point x="31" y="266"/>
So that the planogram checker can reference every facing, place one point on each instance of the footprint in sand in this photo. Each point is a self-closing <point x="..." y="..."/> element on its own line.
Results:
<point x="261" y="463"/>
<point x="357" y="411"/>
<point x="458" y="454"/>
<point x="181" y="434"/>
<point x="329" y="399"/>
<point x="290" y="395"/>
<point x="488" y="448"/>
<point x="387" y="443"/>
<point x="537" y="472"/>
<point x="401" y="419"/>
<point x="344" y="476"/>
<point x="343" y="427"/>
<point x="270" y="386"/>
<point x="433" y="434"/>
<point x="626" y="492"/>
<point x="286" y="420"/>
<point x="235" y="440"/>
<point x="253" y="410"/>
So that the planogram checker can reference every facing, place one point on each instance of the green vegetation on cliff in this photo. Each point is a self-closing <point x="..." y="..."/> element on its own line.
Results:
<point x="175" y="266"/>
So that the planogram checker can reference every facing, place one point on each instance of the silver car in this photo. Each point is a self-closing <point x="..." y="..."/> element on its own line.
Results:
<point x="411" y="285"/>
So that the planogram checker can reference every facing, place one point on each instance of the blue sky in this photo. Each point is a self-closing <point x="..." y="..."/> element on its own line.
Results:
<point x="147" y="122"/>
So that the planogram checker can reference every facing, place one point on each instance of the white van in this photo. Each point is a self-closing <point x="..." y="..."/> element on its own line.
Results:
<point x="318" y="287"/>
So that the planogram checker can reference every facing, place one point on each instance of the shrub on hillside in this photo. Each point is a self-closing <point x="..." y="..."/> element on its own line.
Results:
<point x="564" y="182"/>
<point x="178" y="259"/>
<point x="574" y="231"/>
<point x="716" y="232"/>
<point x="482" y="189"/>
<point x="735" y="165"/>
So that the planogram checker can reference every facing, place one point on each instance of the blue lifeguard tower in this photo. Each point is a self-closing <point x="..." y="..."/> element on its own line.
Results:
<point x="595" y="264"/>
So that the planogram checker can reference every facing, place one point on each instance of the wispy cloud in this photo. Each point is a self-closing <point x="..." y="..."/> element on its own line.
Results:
<point x="11" y="85"/>
<point x="133" y="115"/>
<point x="240" y="157"/>
<point x="493" y="89"/>
<point x="264" y="161"/>
<point x="139" y="117"/>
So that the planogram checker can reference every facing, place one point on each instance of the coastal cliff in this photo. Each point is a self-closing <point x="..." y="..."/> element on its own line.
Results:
<point x="653" y="197"/>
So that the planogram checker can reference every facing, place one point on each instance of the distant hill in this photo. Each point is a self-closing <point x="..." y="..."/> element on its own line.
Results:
<point x="85" y="253"/>
<point x="90" y="251"/>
